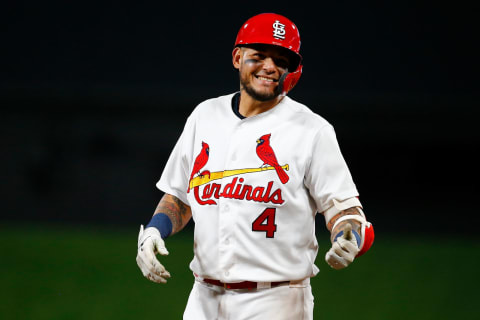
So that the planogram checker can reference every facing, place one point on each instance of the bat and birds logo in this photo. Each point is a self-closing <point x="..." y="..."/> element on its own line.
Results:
<point x="264" y="152"/>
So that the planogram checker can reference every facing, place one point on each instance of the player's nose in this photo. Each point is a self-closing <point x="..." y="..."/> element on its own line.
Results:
<point x="269" y="64"/>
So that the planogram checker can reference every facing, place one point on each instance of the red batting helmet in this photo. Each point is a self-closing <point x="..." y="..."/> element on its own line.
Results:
<point x="277" y="30"/>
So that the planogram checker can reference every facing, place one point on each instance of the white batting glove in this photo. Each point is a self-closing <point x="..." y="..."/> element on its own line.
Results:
<point x="343" y="251"/>
<point x="149" y="244"/>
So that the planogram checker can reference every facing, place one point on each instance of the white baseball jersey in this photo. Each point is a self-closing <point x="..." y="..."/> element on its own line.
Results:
<point x="254" y="186"/>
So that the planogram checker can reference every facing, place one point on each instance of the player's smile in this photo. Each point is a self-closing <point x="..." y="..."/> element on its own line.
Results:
<point x="264" y="84"/>
<point x="265" y="80"/>
<point x="261" y="87"/>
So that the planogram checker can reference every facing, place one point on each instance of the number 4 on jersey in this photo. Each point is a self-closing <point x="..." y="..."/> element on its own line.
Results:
<point x="266" y="222"/>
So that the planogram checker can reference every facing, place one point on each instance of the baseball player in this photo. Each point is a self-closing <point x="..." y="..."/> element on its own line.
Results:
<point x="253" y="168"/>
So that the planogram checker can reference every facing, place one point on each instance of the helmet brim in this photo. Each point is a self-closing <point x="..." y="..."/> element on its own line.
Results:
<point x="294" y="58"/>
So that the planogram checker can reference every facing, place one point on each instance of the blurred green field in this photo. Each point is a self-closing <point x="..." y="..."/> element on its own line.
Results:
<point x="49" y="272"/>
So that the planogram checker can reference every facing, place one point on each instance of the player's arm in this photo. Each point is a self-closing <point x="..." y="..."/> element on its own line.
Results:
<point x="171" y="216"/>
<point x="178" y="212"/>
<point x="351" y="234"/>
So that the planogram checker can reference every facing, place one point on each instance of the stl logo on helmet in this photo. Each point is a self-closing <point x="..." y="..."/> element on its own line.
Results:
<point x="278" y="30"/>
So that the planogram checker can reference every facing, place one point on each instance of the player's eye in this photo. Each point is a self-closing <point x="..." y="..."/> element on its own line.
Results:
<point x="259" y="56"/>
<point x="282" y="63"/>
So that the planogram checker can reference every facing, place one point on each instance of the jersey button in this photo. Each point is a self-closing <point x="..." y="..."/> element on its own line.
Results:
<point x="226" y="208"/>
<point x="227" y="273"/>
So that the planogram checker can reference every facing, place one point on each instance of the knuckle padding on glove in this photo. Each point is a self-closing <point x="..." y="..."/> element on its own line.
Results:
<point x="347" y="246"/>
<point x="338" y="249"/>
<point x="336" y="262"/>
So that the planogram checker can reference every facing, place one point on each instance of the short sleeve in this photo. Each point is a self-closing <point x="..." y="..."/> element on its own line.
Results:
<point x="327" y="176"/>
<point x="174" y="178"/>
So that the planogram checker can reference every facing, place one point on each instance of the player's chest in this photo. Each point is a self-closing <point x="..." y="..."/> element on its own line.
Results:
<point x="259" y="162"/>
<point x="250" y="145"/>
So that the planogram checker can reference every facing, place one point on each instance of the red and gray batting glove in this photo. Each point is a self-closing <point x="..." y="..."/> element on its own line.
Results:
<point x="149" y="244"/>
<point x="343" y="250"/>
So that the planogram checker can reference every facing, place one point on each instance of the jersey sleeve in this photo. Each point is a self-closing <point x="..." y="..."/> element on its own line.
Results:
<point x="174" y="178"/>
<point x="327" y="176"/>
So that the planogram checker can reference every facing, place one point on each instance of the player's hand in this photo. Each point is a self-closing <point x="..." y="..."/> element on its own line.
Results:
<point x="149" y="244"/>
<point x="343" y="250"/>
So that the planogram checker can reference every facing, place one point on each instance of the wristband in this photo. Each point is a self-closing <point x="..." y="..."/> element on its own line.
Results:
<point x="162" y="223"/>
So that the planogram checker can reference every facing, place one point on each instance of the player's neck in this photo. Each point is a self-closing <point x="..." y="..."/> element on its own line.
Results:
<point x="249" y="106"/>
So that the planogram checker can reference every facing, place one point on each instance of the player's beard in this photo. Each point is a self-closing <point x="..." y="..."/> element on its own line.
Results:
<point x="260" y="96"/>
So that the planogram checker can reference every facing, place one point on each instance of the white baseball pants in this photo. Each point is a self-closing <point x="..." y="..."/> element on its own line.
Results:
<point x="286" y="302"/>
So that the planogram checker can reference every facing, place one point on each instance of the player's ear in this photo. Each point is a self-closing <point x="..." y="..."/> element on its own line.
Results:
<point x="236" y="57"/>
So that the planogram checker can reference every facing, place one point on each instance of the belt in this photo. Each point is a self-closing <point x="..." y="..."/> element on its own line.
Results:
<point x="245" y="284"/>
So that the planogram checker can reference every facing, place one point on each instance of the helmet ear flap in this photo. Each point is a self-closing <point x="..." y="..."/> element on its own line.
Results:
<point x="288" y="80"/>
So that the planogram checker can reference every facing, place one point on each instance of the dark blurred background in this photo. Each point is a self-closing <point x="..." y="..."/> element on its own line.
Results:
<point x="95" y="94"/>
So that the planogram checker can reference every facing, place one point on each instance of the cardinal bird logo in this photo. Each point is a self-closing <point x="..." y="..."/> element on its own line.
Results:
<point x="200" y="162"/>
<point x="266" y="154"/>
